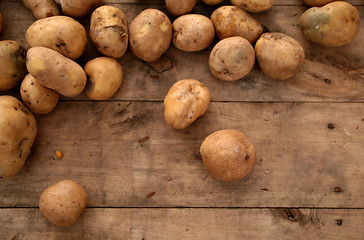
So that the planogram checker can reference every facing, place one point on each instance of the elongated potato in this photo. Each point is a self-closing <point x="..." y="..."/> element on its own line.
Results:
<point x="42" y="8"/>
<point x="60" y="33"/>
<point x="109" y="31"/>
<point x="78" y="8"/>
<point x="180" y="7"/>
<point x="253" y="5"/>
<point x="317" y="3"/>
<point x="55" y="71"/>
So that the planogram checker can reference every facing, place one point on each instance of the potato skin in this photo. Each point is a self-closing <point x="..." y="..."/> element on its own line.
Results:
<point x="212" y="2"/>
<point x="60" y="33"/>
<point x="227" y="155"/>
<point x="18" y="129"/>
<point x="232" y="21"/>
<point x="150" y="34"/>
<point x="12" y="64"/>
<point x="187" y="100"/>
<point x="104" y="78"/>
<point x="232" y="58"/>
<point x="180" y="7"/>
<point x="192" y="32"/>
<point x="55" y="71"/>
<point x="42" y="8"/>
<point x="333" y="25"/>
<point x="109" y="31"/>
<point x="63" y="203"/>
<point x="78" y="8"/>
<point x="279" y="55"/>
<point x="317" y="3"/>
<point x="253" y="5"/>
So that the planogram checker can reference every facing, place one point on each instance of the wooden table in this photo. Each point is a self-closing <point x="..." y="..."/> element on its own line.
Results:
<point x="146" y="180"/>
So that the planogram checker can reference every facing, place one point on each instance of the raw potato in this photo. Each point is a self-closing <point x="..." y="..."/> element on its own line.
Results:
<point x="279" y="55"/>
<point x="253" y="5"/>
<point x="192" y="32"/>
<point x="109" y="31"/>
<point x="232" y="58"/>
<point x="332" y="25"/>
<point x="78" y="8"/>
<point x="150" y="34"/>
<point x="212" y="2"/>
<point x="104" y="78"/>
<point x="1" y="23"/>
<point x="60" y="33"/>
<point x="227" y="155"/>
<point x="180" y="7"/>
<point x="232" y="21"/>
<point x="37" y="98"/>
<point x="187" y="100"/>
<point x="63" y="203"/>
<point x="18" y="129"/>
<point x="55" y="71"/>
<point x="12" y="64"/>
<point x="42" y="8"/>
<point x="317" y="3"/>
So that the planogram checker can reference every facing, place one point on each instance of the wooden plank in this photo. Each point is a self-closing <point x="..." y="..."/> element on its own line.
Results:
<point x="282" y="224"/>
<point x="123" y="151"/>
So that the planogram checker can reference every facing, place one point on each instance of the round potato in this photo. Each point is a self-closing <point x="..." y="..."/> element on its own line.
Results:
<point x="104" y="77"/>
<point x="63" y="203"/>
<point x="60" y="33"/>
<point x="212" y="2"/>
<point x="192" y="32"/>
<point x="232" y="58"/>
<point x="332" y="25"/>
<point x="12" y="64"/>
<point x="187" y="100"/>
<point x="317" y="3"/>
<point x="78" y="8"/>
<point x="227" y="155"/>
<point x="37" y="98"/>
<point x="109" y="31"/>
<point x="232" y="21"/>
<point x="18" y="129"/>
<point x="150" y="34"/>
<point x="279" y="55"/>
<point x="180" y="7"/>
<point x="42" y="8"/>
<point x="253" y="5"/>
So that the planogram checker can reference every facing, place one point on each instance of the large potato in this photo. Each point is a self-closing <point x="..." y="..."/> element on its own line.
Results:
<point x="232" y="21"/>
<point x="18" y="129"/>
<point x="332" y="25"/>
<point x="279" y="55"/>
<point x="55" y="71"/>
<point x="317" y="3"/>
<point x="60" y="33"/>
<point x="12" y="64"/>
<point x="42" y="8"/>
<point x="109" y="31"/>
<point x="253" y="5"/>
<point x="212" y="2"/>
<point x="63" y="203"/>
<point x="180" y="7"/>
<point x="192" y="32"/>
<point x="150" y="34"/>
<point x="78" y="8"/>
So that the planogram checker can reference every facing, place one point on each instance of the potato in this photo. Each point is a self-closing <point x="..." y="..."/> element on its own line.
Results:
<point x="279" y="55"/>
<point x="187" y="100"/>
<point x="332" y="25"/>
<point x="150" y="34"/>
<point x="78" y="8"/>
<point x="1" y="23"/>
<point x="104" y="78"/>
<point x="192" y="32"/>
<point x="109" y="31"/>
<point x="37" y="98"/>
<point x="18" y="129"/>
<point x="212" y="2"/>
<point x="55" y="71"/>
<point x="180" y="7"/>
<point x="253" y="5"/>
<point x="232" y="21"/>
<point x="317" y="3"/>
<point x="232" y="58"/>
<point x="63" y="203"/>
<point x="12" y="64"/>
<point x="227" y="155"/>
<point x="42" y="8"/>
<point x="60" y="33"/>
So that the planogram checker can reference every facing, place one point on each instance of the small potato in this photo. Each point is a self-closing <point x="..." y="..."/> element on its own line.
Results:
<point x="180" y="7"/>
<point x="60" y="33"/>
<point x="187" y="100"/>
<point x="37" y="98"/>
<point x="317" y="3"/>
<point x="78" y="8"/>
<point x="232" y="58"/>
<point x="109" y="31"/>
<point x="63" y="203"/>
<point x="192" y="32"/>
<point x="279" y="56"/>
<point x="12" y="64"/>
<point x="253" y="5"/>
<point x="232" y="21"/>
<point x="150" y="34"/>
<point x="18" y="129"/>
<point x="55" y="71"/>
<point x="42" y="8"/>
<point x="332" y="25"/>
<point x="212" y="2"/>
<point x="104" y="78"/>
<point x="227" y="155"/>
